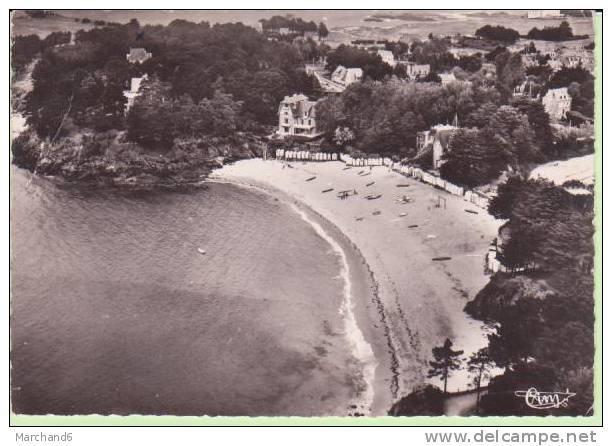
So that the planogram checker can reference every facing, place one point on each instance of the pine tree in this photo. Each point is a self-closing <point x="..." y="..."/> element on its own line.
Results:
<point x="446" y="360"/>
<point x="480" y="364"/>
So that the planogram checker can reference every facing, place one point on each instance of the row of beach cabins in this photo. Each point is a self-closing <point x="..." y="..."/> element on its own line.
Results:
<point x="305" y="155"/>
<point x="474" y="197"/>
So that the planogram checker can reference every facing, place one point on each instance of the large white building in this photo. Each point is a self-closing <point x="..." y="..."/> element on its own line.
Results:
<point x="544" y="14"/>
<point x="138" y="55"/>
<point x="447" y="78"/>
<point x="414" y="70"/>
<point x="557" y="102"/>
<point x="133" y="92"/>
<point x="387" y="57"/>
<point x="297" y="117"/>
<point x="346" y="76"/>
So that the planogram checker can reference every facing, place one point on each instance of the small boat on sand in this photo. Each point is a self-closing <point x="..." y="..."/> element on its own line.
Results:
<point x="365" y="174"/>
<point x="327" y="190"/>
<point x="403" y="214"/>
<point x="376" y="213"/>
<point x="346" y="168"/>
<point x="440" y="259"/>
<point x="359" y="218"/>
<point x="370" y="183"/>
<point x="360" y="172"/>
<point x="201" y="251"/>
<point x="413" y="226"/>
<point x="403" y="185"/>
<point x="374" y="197"/>
<point x="311" y="178"/>
<point x="471" y="211"/>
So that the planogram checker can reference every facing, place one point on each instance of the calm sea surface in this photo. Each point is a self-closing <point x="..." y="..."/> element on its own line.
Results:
<point x="115" y="311"/>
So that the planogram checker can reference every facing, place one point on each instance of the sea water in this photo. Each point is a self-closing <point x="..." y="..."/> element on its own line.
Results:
<point x="114" y="309"/>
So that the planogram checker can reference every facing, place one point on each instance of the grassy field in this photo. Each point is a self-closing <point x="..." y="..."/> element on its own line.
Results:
<point x="23" y="25"/>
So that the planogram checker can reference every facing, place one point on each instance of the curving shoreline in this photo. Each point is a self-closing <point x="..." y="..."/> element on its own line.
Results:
<point x="416" y="302"/>
<point x="362" y="306"/>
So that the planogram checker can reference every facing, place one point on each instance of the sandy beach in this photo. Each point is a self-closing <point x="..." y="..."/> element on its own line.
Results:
<point x="415" y="302"/>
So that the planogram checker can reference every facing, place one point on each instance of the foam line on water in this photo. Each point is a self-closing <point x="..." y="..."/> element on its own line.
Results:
<point x="362" y="350"/>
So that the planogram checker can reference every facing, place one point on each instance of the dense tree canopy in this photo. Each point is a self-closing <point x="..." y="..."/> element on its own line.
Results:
<point x="550" y="336"/>
<point x="352" y="57"/>
<point x="433" y="52"/>
<point x="157" y="118"/>
<point x="83" y="83"/>
<point x="474" y="157"/>
<point x="498" y="33"/>
<point x="385" y="116"/>
<point x="553" y="33"/>
<point x="510" y="72"/>
<point x="290" y="22"/>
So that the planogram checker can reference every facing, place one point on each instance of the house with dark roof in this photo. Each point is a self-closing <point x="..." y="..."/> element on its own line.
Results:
<point x="297" y="117"/>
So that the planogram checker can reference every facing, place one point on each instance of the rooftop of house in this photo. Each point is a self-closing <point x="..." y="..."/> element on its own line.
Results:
<point x="300" y="105"/>
<point x="557" y="92"/>
<point x="344" y="73"/>
<point x="138" y="55"/>
<point x="444" y="136"/>
<point x="385" y="54"/>
<point x="447" y="76"/>
<point x="440" y="132"/>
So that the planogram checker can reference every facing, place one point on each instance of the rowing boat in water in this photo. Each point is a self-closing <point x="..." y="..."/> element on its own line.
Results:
<point x="374" y="197"/>
<point x="310" y="179"/>
<point x="376" y="213"/>
<point x="413" y="226"/>
<point x="440" y="259"/>
<point x="369" y="184"/>
<point x="403" y="214"/>
<point x="403" y="185"/>
<point x="346" y="168"/>
<point x="471" y="211"/>
<point x="327" y="190"/>
<point x="201" y="251"/>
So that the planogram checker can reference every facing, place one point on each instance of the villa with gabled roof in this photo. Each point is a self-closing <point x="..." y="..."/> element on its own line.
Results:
<point x="297" y="117"/>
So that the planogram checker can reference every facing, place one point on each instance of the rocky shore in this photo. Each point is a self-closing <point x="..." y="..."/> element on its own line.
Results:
<point x="73" y="161"/>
